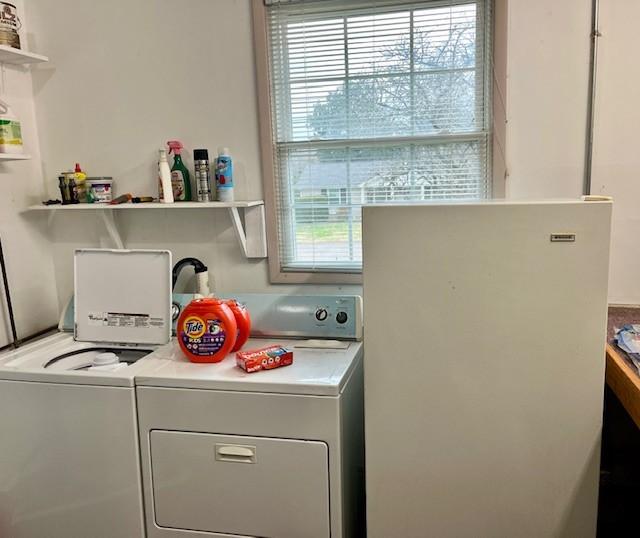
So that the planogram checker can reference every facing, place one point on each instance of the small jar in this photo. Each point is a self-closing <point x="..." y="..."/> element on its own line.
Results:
<point x="99" y="190"/>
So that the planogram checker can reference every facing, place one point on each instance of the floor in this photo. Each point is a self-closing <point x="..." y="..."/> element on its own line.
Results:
<point x="619" y="472"/>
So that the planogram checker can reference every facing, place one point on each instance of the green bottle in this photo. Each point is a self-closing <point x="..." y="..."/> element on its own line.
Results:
<point x="180" y="181"/>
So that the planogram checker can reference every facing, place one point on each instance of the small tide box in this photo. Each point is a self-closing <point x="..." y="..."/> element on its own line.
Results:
<point x="266" y="358"/>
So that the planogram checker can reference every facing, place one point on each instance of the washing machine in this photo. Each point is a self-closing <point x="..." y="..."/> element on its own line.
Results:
<point x="69" y="454"/>
<point x="276" y="453"/>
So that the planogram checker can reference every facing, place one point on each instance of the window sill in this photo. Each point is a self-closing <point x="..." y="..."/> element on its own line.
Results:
<point x="277" y="276"/>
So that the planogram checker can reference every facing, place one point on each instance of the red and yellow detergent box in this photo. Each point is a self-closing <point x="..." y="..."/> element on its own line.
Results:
<point x="266" y="358"/>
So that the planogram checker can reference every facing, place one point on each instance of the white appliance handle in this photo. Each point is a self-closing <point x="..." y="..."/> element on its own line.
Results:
<point x="236" y="453"/>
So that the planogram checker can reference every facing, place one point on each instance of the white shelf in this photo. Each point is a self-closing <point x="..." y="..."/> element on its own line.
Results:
<point x="148" y="205"/>
<point x="14" y="157"/>
<point x="250" y="232"/>
<point x="9" y="55"/>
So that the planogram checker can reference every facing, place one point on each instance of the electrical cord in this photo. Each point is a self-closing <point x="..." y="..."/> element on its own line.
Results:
<point x="7" y="295"/>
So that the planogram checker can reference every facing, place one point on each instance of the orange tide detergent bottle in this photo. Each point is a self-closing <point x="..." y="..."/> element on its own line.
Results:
<point x="207" y="330"/>
<point x="243" y="320"/>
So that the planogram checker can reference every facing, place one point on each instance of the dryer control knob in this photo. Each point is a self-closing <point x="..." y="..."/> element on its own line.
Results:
<point x="321" y="314"/>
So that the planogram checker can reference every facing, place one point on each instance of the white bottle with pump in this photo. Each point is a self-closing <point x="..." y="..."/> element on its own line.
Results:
<point x="164" y="176"/>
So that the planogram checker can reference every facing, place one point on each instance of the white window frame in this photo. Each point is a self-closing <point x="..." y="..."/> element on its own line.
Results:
<point x="267" y="144"/>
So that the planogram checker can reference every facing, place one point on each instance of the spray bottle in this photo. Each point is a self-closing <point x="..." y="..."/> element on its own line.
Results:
<point x="81" y="183"/>
<point x="179" y="174"/>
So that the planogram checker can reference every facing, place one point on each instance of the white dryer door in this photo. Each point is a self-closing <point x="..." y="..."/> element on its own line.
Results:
<point x="274" y="488"/>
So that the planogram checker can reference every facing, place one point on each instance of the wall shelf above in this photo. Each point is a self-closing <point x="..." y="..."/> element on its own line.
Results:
<point x="9" y="55"/>
<point x="148" y="205"/>
<point x="14" y="157"/>
<point x="251" y="232"/>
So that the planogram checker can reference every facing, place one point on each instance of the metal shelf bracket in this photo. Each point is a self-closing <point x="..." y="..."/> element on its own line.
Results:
<point x="112" y="228"/>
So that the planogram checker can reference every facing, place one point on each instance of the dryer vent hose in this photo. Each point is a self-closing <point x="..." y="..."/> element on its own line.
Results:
<point x="201" y="270"/>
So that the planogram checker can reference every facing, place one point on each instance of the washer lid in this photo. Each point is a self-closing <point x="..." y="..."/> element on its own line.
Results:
<point x="122" y="296"/>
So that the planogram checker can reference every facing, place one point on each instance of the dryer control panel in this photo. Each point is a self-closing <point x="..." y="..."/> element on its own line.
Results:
<point x="297" y="316"/>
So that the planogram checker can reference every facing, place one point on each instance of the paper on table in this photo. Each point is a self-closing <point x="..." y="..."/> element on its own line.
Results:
<point x="628" y="339"/>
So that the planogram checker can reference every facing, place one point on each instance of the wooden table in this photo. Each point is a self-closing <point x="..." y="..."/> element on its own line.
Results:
<point x="621" y="375"/>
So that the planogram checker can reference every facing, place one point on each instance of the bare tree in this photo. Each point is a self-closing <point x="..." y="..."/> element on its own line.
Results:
<point x="424" y="85"/>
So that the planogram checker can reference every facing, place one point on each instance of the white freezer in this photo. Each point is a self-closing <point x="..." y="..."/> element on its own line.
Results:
<point x="484" y="368"/>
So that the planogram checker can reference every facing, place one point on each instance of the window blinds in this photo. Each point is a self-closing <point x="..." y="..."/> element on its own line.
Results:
<point x="373" y="102"/>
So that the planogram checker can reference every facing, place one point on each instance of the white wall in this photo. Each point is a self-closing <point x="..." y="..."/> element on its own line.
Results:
<point x="616" y="159"/>
<point x="548" y="78"/>
<point x="126" y="76"/>
<point x="547" y="82"/>
<point x="27" y="250"/>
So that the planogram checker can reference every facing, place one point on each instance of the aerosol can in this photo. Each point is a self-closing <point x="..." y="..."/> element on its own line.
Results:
<point x="202" y="175"/>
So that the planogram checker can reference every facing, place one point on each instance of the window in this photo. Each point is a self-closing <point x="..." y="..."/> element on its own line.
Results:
<point x="371" y="102"/>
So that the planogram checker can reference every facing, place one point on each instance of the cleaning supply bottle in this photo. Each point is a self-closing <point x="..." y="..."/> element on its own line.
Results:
<point x="179" y="174"/>
<point x="164" y="178"/>
<point x="224" y="176"/>
<point x="81" y="183"/>
<point x="206" y="330"/>
<point x="10" y="131"/>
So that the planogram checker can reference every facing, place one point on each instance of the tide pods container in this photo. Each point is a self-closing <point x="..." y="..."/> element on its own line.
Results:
<point x="206" y="330"/>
